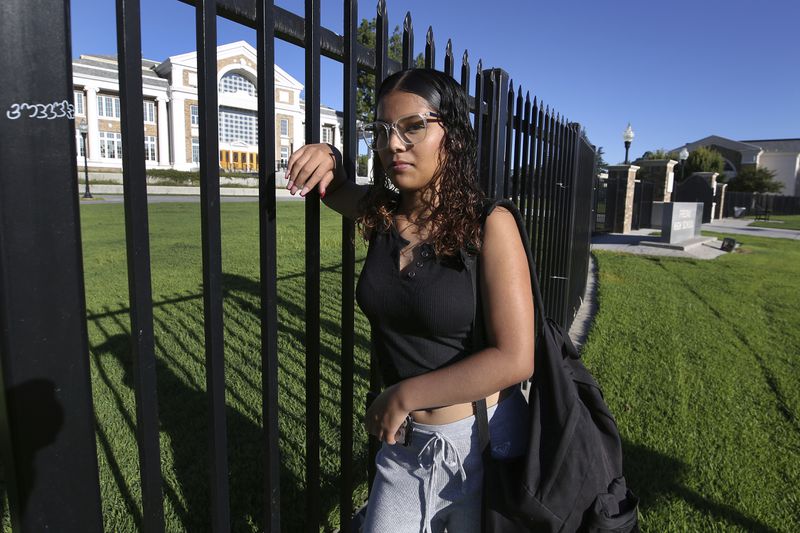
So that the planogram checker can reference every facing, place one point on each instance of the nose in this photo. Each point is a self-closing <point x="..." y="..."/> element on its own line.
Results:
<point x="393" y="142"/>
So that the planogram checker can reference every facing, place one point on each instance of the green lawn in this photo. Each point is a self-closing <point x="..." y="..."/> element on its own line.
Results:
<point x="699" y="362"/>
<point x="178" y="321"/>
<point x="780" y="222"/>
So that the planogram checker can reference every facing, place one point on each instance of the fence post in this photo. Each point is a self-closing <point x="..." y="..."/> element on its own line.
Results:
<point x="47" y="427"/>
<point x="493" y="138"/>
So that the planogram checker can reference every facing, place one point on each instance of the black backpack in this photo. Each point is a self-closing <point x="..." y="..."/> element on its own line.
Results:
<point x="570" y="477"/>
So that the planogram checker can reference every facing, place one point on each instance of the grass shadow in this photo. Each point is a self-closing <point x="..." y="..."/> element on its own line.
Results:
<point x="183" y="409"/>
<point x="652" y="475"/>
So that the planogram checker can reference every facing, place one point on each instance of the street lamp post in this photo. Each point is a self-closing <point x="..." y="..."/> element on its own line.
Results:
<point x="683" y="156"/>
<point x="84" y="130"/>
<point x="627" y="136"/>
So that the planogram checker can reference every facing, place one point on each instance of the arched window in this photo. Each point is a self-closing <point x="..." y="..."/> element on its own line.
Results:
<point x="233" y="82"/>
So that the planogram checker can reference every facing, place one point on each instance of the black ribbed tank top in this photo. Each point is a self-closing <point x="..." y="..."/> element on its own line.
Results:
<point x="421" y="317"/>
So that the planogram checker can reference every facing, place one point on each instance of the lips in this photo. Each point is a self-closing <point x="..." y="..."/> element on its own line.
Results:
<point x="400" y="165"/>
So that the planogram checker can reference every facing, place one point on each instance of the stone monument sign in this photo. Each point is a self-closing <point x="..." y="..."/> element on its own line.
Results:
<point x="680" y="221"/>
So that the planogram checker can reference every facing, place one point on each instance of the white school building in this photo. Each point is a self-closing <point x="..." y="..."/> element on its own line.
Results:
<point x="171" y="111"/>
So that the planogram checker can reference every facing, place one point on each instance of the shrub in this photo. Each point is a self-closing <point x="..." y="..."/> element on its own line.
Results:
<point x="752" y="179"/>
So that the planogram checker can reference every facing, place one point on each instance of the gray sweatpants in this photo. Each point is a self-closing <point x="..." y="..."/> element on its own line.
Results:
<point x="435" y="483"/>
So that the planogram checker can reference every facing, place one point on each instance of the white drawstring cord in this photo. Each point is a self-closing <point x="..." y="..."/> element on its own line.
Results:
<point x="439" y="444"/>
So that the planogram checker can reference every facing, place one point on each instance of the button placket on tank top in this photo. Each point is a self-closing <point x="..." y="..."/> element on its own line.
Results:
<point x="413" y="267"/>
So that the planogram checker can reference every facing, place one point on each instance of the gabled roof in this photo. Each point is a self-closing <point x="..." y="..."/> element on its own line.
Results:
<point x="189" y="59"/>
<point x="738" y="146"/>
<point x="778" y="145"/>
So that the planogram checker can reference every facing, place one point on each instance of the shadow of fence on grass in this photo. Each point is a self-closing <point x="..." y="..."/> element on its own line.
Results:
<point x="178" y="322"/>
<point x="653" y="475"/>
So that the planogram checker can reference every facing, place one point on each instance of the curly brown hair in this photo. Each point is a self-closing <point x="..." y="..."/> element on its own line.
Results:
<point x="453" y="218"/>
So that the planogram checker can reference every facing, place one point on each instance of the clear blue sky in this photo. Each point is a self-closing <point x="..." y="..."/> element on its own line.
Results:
<point x="677" y="71"/>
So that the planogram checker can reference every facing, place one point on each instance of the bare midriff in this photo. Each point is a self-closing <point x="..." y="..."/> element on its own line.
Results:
<point x="454" y="413"/>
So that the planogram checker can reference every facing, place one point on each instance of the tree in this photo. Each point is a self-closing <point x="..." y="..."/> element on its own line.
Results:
<point x="661" y="153"/>
<point x="751" y="179"/>
<point x="599" y="162"/>
<point x="704" y="160"/>
<point x="365" y="90"/>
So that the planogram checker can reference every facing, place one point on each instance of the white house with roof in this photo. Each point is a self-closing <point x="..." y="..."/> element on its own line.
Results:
<point x="781" y="156"/>
<point x="171" y="111"/>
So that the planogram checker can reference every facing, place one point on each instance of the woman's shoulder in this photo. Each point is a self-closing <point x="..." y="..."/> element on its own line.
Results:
<point x="500" y="229"/>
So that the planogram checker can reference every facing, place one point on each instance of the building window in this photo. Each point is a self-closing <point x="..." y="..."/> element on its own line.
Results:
<point x="110" y="145"/>
<point x="284" y="156"/>
<point x="195" y="150"/>
<point x="237" y="125"/>
<point x="150" y="112"/>
<point x="234" y="83"/>
<point x="284" y="127"/>
<point x="195" y="113"/>
<point x="327" y="135"/>
<point x="283" y="96"/>
<point x="150" y="148"/>
<point x="108" y="106"/>
<point x="79" y="103"/>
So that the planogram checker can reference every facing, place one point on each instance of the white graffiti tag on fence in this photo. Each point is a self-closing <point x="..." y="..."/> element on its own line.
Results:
<point x="62" y="109"/>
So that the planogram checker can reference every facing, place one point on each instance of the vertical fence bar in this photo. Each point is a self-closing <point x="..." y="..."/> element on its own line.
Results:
<point x="539" y="199"/>
<point x="517" y="184"/>
<point x="129" y="50"/>
<point x="312" y="59"/>
<point x="532" y="180"/>
<point x="546" y="207"/>
<point x="493" y="140"/>
<point x="448" y="58"/>
<point x="574" y="139"/>
<point x="507" y="134"/>
<point x="408" y="42"/>
<point x="430" y="49"/>
<point x="555" y="229"/>
<point x="550" y="225"/>
<point x="558" y="227"/>
<point x="268" y="269"/>
<point x="348" y="265"/>
<point x="525" y="159"/>
<point x="465" y="73"/>
<point x="381" y="67"/>
<point x="479" y="119"/>
<point x="536" y="191"/>
<point x="564" y="191"/>
<point x="48" y="437"/>
<point x="536" y="225"/>
<point x="212" y="262"/>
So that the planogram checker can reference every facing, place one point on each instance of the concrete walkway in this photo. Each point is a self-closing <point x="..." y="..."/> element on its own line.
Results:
<point x="638" y="242"/>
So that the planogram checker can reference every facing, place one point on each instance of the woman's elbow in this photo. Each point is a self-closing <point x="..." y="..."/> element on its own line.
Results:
<point x="521" y="367"/>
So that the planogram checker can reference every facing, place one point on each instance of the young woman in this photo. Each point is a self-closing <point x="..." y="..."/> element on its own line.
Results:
<point x="417" y="293"/>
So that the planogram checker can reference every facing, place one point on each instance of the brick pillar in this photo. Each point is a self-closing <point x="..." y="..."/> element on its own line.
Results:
<point x="711" y="179"/>
<point x="660" y="173"/>
<point x="626" y="176"/>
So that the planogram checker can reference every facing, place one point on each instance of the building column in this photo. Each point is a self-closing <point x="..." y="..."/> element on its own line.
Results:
<point x="163" y="132"/>
<point x="93" y="138"/>
<point x="178" y="139"/>
<point x="626" y="176"/>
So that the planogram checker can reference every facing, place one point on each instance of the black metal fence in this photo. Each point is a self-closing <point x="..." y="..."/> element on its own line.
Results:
<point x="528" y="153"/>
<point x="755" y="203"/>
<point x="642" y="204"/>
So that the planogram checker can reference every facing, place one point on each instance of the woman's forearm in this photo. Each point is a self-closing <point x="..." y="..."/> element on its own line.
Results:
<point x="477" y="376"/>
